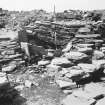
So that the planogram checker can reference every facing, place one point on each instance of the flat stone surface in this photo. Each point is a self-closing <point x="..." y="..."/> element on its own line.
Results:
<point x="68" y="47"/>
<point x="72" y="100"/>
<point x="63" y="84"/>
<point x="75" y="73"/>
<point x="98" y="63"/>
<point x="75" y="55"/>
<point x="67" y="91"/>
<point x="61" y="61"/>
<point x="9" y="68"/>
<point x="43" y="62"/>
<point x="87" y="67"/>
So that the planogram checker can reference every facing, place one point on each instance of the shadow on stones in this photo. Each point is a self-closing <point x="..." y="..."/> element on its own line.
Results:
<point x="94" y="77"/>
<point x="10" y="96"/>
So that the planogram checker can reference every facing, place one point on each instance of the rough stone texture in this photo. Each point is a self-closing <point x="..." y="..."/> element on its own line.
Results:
<point x="99" y="63"/>
<point x="9" y="68"/>
<point x="88" y="68"/>
<point x="98" y="55"/>
<point x="61" y="62"/>
<point x="75" y="55"/>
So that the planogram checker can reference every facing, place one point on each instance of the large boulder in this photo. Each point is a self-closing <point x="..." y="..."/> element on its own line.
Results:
<point x="75" y="73"/>
<point x="71" y="68"/>
<point x="76" y="56"/>
<point x="64" y="62"/>
<point x="88" y="68"/>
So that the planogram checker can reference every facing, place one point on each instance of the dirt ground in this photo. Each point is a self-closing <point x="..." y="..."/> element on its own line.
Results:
<point x="46" y="93"/>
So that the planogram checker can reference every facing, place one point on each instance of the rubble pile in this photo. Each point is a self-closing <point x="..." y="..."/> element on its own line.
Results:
<point x="81" y="63"/>
<point x="10" y="57"/>
<point x="54" y="34"/>
<point x="74" y="68"/>
<point x="73" y="63"/>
